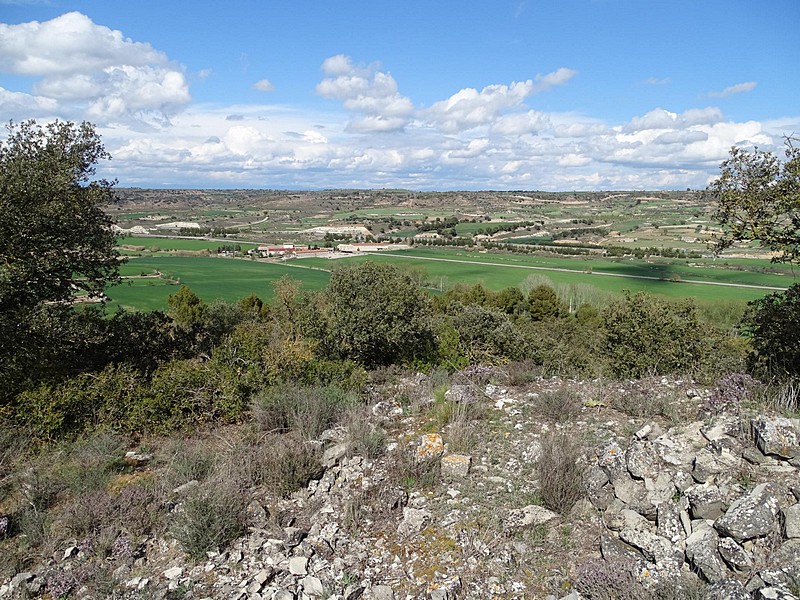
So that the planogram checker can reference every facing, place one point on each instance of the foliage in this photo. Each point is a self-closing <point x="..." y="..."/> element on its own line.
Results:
<point x="774" y="324"/>
<point x="307" y="411"/>
<point x="376" y="314"/>
<point x="212" y="516"/>
<point x="486" y="336"/>
<point x="758" y="198"/>
<point x="543" y="303"/>
<point x="54" y="236"/>
<point x="650" y="336"/>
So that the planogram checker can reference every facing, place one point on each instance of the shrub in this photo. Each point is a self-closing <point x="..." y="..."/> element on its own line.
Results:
<point x="308" y="411"/>
<point x="774" y="323"/>
<point x="560" y="470"/>
<point x="600" y="579"/>
<point x="212" y="516"/>
<point x="650" y="336"/>
<point x="559" y="405"/>
<point x="486" y="336"/>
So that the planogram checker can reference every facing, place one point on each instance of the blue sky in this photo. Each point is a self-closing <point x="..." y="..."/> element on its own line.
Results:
<point x="556" y="95"/>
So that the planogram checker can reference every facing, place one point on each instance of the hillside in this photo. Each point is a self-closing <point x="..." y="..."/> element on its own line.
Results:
<point x="486" y="484"/>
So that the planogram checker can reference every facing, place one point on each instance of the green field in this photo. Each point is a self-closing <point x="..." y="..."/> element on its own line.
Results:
<point x="230" y="279"/>
<point x="211" y="278"/>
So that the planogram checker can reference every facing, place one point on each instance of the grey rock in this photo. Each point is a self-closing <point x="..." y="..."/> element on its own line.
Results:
<point x="755" y="457"/>
<point x="705" y="501"/>
<point x="791" y="521"/>
<point x="788" y="554"/>
<point x="172" y="573"/>
<point x="736" y="557"/>
<point x="312" y="586"/>
<point x="298" y="565"/>
<point x="611" y="458"/>
<point x="653" y="547"/>
<point x="727" y="589"/>
<point x="705" y="466"/>
<point x="643" y="461"/>
<point x="775" y="593"/>
<point x="753" y="515"/>
<point x="334" y="454"/>
<point x="455" y="466"/>
<point x="775" y="435"/>
<point x="529" y="516"/>
<point x="414" y="521"/>
<point x="701" y="552"/>
<point x="630" y="491"/>
<point x="668" y="522"/>
<point x="382" y="592"/>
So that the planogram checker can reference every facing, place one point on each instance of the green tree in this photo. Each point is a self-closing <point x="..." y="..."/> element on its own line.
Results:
<point x="646" y="335"/>
<point x="55" y="239"/>
<point x="376" y="314"/>
<point x="186" y="308"/>
<point x="543" y="303"/>
<point x="758" y="198"/>
<point x="774" y="322"/>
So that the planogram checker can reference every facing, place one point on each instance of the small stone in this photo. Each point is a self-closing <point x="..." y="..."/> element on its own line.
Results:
<point x="430" y="446"/>
<point x="334" y="454"/>
<point x="455" y="466"/>
<point x="298" y="565"/>
<point x="70" y="552"/>
<point x="173" y="573"/>
<point x="312" y="586"/>
<point x="136" y="459"/>
<point x="529" y="516"/>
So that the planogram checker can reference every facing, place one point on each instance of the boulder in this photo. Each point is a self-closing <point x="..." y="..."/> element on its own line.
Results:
<point x="753" y="515"/>
<point x="702" y="554"/>
<point x="775" y="435"/>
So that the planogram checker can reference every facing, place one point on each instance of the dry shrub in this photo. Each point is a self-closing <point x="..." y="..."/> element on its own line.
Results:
<point x="187" y="460"/>
<point x="308" y="411"/>
<point x="281" y="463"/>
<point x="561" y="470"/>
<point x="463" y="432"/>
<point x="559" y="405"/>
<point x="408" y="472"/>
<point x="365" y="438"/>
<point x="212" y="516"/>
<point x="600" y="579"/>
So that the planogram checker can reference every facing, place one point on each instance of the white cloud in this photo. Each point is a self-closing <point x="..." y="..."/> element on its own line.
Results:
<point x="469" y="108"/>
<point x="18" y="105"/>
<point x="263" y="85"/>
<point x="738" y="88"/>
<point x="657" y="81"/>
<point x="369" y="93"/>
<point x="93" y="70"/>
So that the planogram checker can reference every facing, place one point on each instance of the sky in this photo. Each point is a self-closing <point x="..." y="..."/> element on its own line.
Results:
<point x="554" y="95"/>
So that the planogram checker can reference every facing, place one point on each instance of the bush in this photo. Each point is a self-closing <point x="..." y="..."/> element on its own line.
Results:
<point x="212" y="516"/>
<point x="650" y="336"/>
<point x="774" y="324"/>
<point x="559" y="405"/>
<point x="561" y="470"/>
<point x="600" y="579"/>
<point x="281" y="463"/>
<point x="308" y="411"/>
<point x="486" y="336"/>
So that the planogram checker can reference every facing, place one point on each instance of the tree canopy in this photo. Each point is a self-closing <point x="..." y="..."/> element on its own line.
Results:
<point x="54" y="237"/>
<point x="758" y="198"/>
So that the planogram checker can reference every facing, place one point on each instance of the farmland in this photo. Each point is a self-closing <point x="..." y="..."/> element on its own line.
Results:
<point x="542" y="229"/>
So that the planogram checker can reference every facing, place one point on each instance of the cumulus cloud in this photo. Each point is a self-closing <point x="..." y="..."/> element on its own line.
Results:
<point x="90" y="69"/>
<point x="469" y="108"/>
<point x="263" y="85"/>
<point x="370" y="94"/>
<point x="739" y="88"/>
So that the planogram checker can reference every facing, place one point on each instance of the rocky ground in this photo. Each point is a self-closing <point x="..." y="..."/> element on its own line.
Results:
<point x="544" y="489"/>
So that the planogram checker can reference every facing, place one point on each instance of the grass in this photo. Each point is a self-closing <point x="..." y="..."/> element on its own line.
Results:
<point x="217" y="278"/>
<point x="211" y="278"/>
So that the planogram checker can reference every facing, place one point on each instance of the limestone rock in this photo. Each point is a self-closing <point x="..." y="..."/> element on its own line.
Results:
<point x="529" y="516"/>
<point x="753" y="515"/>
<point x="705" y="502"/>
<point x="701" y="551"/>
<point x="727" y="589"/>
<point x="456" y="466"/>
<point x="775" y="435"/>
<point x="298" y="565"/>
<point x="414" y="521"/>
<point x="791" y="521"/>
<point x="734" y="555"/>
<point x="430" y="446"/>
<point x="642" y="460"/>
